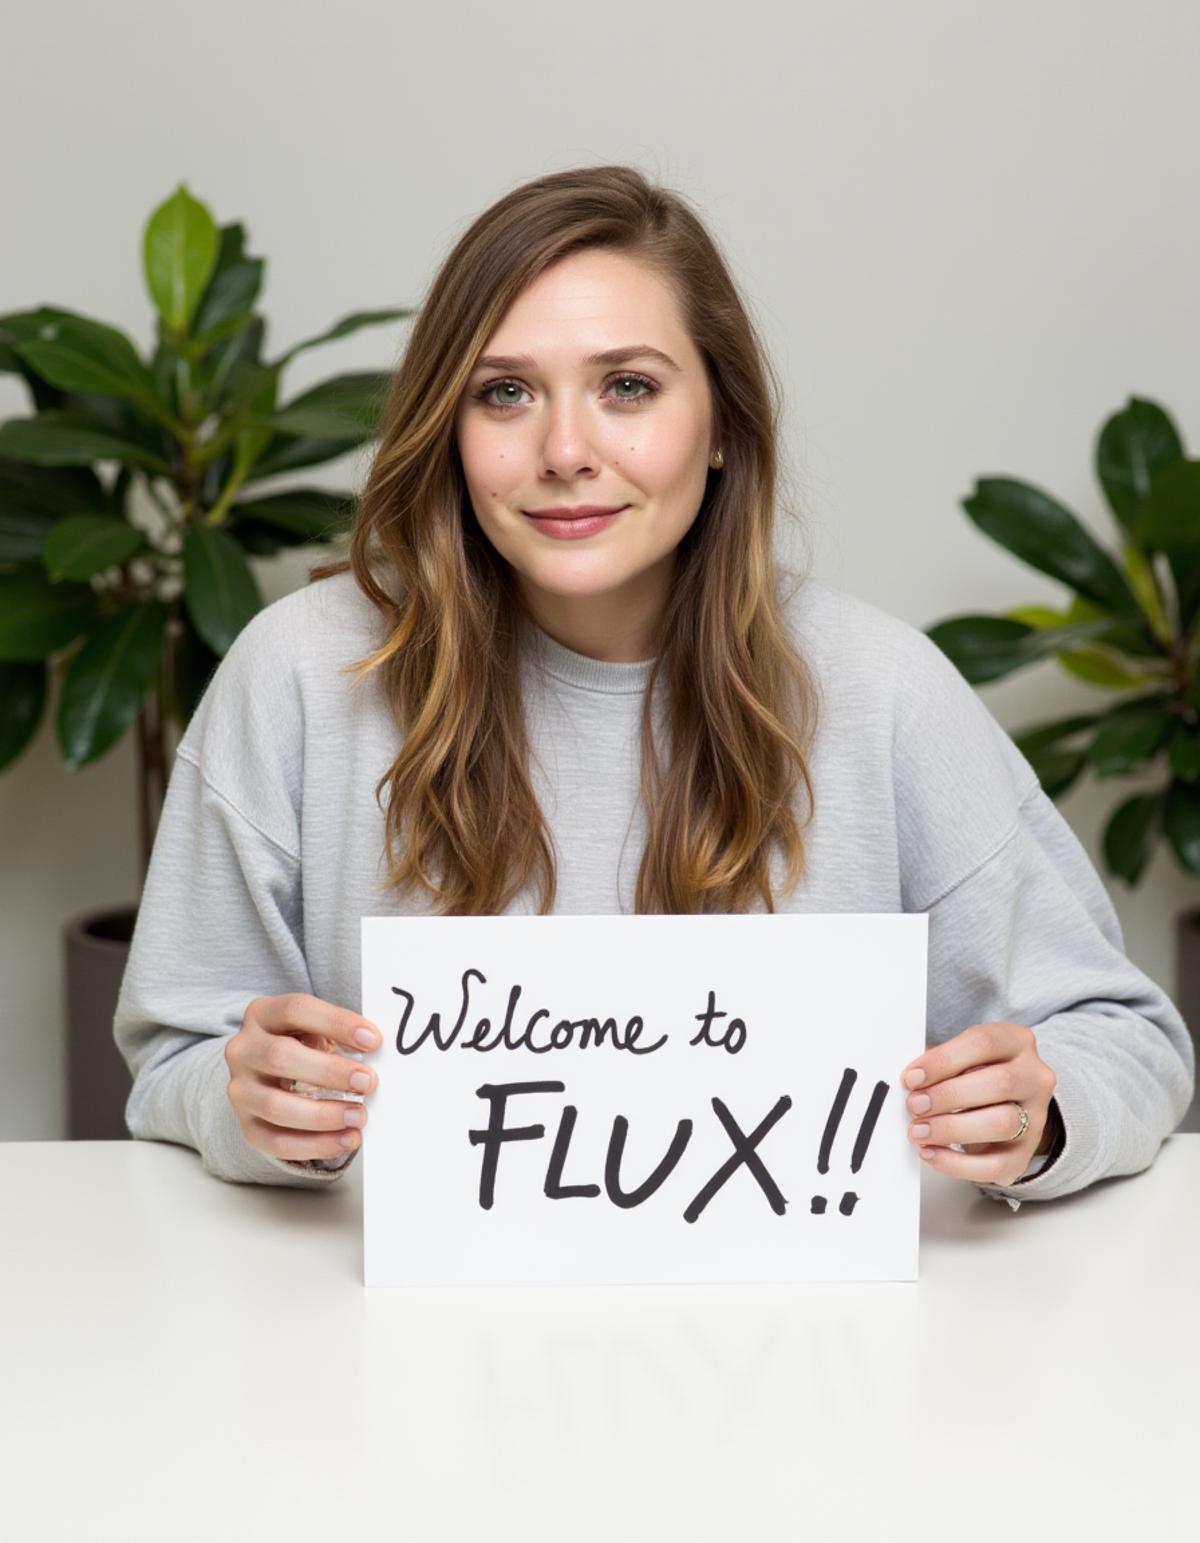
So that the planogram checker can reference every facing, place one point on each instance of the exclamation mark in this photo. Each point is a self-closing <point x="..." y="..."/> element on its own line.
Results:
<point x="865" y="1131"/>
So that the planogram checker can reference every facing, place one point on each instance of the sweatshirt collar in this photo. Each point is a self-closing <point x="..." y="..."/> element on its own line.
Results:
<point x="584" y="672"/>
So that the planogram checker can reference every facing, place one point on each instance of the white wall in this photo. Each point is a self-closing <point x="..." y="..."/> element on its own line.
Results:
<point x="967" y="230"/>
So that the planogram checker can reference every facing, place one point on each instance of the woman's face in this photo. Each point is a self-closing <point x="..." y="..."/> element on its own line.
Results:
<point x="543" y="425"/>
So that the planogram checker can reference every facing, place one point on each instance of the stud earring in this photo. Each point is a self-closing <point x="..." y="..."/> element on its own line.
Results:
<point x="716" y="460"/>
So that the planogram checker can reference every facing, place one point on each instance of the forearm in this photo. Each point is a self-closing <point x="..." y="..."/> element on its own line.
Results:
<point x="184" y="1099"/>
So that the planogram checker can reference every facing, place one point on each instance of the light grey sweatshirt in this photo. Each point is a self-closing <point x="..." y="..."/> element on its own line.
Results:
<point x="269" y="850"/>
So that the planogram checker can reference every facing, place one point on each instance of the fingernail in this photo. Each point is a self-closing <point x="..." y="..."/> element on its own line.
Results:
<point x="366" y="1038"/>
<point x="360" y="1082"/>
<point x="914" y="1079"/>
<point x="927" y="1153"/>
<point x="920" y="1130"/>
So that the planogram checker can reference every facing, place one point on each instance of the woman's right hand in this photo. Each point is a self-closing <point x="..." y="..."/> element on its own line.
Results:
<point x="295" y="1038"/>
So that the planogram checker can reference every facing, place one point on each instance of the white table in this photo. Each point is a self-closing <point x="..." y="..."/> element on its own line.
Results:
<point x="185" y="1359"/>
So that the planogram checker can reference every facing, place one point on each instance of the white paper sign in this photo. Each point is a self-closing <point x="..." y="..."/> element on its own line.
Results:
<point x="602" y="1099"/>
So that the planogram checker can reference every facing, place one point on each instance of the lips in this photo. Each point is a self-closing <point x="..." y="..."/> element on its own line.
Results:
<point x="574" y="526"/>
<point x="574" y="512"/>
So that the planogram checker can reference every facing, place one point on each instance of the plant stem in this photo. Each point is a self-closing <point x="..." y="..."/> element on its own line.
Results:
<point x="216" y="514"/>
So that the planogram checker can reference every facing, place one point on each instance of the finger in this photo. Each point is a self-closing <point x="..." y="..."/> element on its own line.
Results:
<point x="996" y="1123"/>
<point x="975" y="1089"/>
<point x="976" y="1046"/>
<point x="298" y="1013"/>
<point x="999" y="1166"/>
<point x="297" y="1111"/>
<point x="296" y="1145"/>
<point x="289" y="1060"/>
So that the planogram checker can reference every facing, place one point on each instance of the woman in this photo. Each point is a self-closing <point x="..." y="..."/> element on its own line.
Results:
<point x="637" y="712"/>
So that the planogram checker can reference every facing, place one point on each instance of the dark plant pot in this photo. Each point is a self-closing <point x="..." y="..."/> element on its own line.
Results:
<point x="1187" y="990"/>
<point x="95" y="949"/>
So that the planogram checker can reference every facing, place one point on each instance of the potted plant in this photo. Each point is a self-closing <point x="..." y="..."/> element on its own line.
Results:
<point x="129" y="506"/>
<point x="1132" y="626"/>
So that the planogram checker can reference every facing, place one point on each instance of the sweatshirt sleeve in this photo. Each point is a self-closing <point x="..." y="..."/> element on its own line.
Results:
<point x="1027" y="932"/>
<point x="218" y="924"/>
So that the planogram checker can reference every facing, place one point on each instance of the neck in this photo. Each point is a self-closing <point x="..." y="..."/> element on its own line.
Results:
<point x="618" y="627"/>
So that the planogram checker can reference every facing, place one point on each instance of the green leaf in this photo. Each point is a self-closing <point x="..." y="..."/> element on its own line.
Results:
<point x="179" y="252"/>
<point x="22" y="701"/>
<point x="1124" y="741"/>
<point x="105" y="685"/>
<point x="1170" y="522"/>
<point x="1059" y="767"/>
<point x="11" y="362"/>
<point x="1170" y="517"/>
<point x="1181" y="823"/>
<point x="304" y="514"/>
<point x="220" y="592"/>
<point x="257" y="387"/>
<point x="284" y="453"/>
<point x="987" y="647"/>
<point x="1042" y="533"/>
<point x="123" y="419"/>
<point x="1133" y="636"/>
<point x="219" y="377"/>
<point x="1184" y="754"/>
<point x="1058" y="770"/>
<point x="1038" y="616"/>
<point x="262" y="540"/>
<point x="1125" y="841"/>
<point x="1092" y="663"/>
<point x="214" y="478"/>
<point x="16" y="327"/>
<point x="165" y="367"/>
<point x="346" y="406"/>
<point x="32" y="498"/>
<point x="1144" y="583"/>
<point x="76" y="353"/>
<point x="1030" y="741"/>
<point x="1160" y="698"/>
<point x="195" y="665"/>
<point x="86" y="544"/>
<point x="38" y="618"/>
<point x="61" y="438"/>
<point x="1133" y="445"/>
<point x="1099" y="668"/>
<point x="236" y="280"/>
<point x="340" y="329"/>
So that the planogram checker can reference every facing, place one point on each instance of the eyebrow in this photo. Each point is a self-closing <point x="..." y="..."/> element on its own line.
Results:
<point x="608" y="356"/>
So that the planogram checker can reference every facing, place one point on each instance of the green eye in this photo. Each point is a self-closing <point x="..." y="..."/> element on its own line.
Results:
<point x="484" y="394"/>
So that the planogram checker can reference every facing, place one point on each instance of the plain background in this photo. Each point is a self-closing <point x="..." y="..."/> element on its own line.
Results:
<point x="967" y="231"/>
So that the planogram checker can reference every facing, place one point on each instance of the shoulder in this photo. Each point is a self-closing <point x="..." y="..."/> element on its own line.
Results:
<point x="285" y="667"/>
<point x="842" y="630"/>
<point x="893" y="661"/>
<point x="864" y="659"/>
<point x="897" y="703"/>
<point x="280" y="688"/>
<point x="320" y="615"/>
<point x="319" y="624"/>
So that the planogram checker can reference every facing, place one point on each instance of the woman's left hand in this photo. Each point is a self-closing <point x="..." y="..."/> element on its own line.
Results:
<point x="973" y="1084"/>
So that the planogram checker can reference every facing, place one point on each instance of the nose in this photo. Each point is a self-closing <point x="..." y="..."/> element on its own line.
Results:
<point x="568" y="449"/>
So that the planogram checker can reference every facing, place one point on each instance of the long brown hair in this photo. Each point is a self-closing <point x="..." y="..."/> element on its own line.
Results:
<point x="463" y="821"/>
